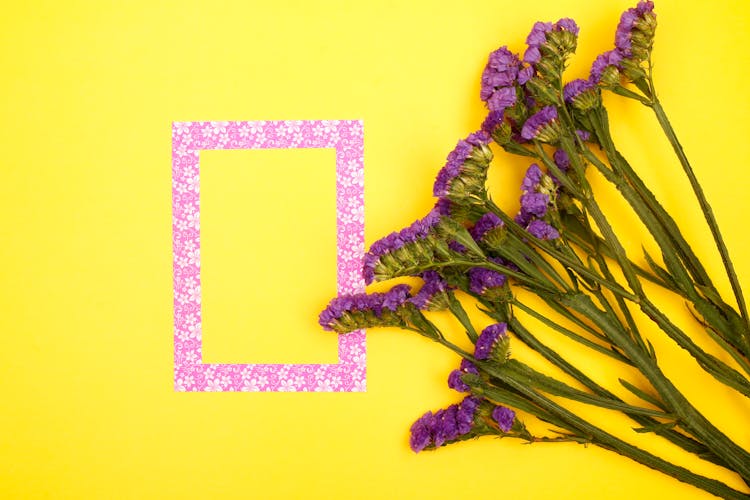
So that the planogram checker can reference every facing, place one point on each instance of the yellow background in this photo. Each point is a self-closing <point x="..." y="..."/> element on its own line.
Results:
<point x="89" y="91"/>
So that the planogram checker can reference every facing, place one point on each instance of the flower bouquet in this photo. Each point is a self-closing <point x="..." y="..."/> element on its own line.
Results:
<point x="559" y="262"/>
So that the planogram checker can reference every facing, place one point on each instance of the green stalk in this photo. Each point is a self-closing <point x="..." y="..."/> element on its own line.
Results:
<point x="737" y="458"/>
<point x="600" y="437"/>
<point x="698" y="425"/>
<point x="705" y="207"/>
<point x="677" y="438"/>
<point x="666" y="233"/>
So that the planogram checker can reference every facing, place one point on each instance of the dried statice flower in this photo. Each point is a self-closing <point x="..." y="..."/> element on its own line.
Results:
<point x="605" y="68"/>
<point x="487" y="282"/>
<point x="542" y="230"/>
<point x="433" y="430"/>
<point x="464" y="174"/>
<point x="433" y="294"/>
<point x="398" y="250"/>
<point x="492" y="343"/>
<point x="542" y="126"/>
<point x="353" y="312"/>
<point x="454" y="378"/>
<point x="504" y="417"/>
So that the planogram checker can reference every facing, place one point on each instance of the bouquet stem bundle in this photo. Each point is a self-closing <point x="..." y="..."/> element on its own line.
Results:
<point x="561" y="248"/>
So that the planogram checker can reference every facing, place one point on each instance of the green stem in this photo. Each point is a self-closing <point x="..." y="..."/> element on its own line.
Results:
<point x="736" y="457"/>
<point x="705" y="207"/>
<point x="600" y="437"/>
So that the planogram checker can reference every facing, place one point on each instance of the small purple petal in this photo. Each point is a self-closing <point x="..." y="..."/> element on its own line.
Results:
<point x="567" y="24"/>
<point x="487" y="339"/>
<point x="534" y="204"/>
<point x="542" y="230"/>
<point x="574" y="88"/>
<point x="455" y="382"/>
<point x="532" y="178"/>
<point x="486" y="223"/>
<point x="543" y="117"/>
<point x="504" y="417"/>
<point x="502" y="99"/>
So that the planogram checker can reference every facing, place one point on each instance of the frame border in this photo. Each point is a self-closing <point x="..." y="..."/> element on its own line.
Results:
<point x="188" y="139"/>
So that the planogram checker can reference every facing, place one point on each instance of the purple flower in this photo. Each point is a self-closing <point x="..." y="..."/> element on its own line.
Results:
<point x="444" y="207"/>
<point x="493" y="120"/>
<point x="627" y="24"/>
<point x="486" y="223"/>
<point x="575" y="88"/>
<point x="481" y="280"/>
<point x="468" y="367"/>
<point x="434" y="430"/>
<point x="542" y="230"/>
<point x="431" y="295"/>
<point x="561" y="159"/>
<point x="501" y="71"/>
<point x="454" y="379"/>
<point x="567" y="24"/>
<point x="372" y="305"/>
<point x="396" y="296"/>
<point x="538" y="37"/>
<point x="502" y="98"/>
<point x="454" y="165"/>
<point x="532" y="55"/>
<point x="532" y="178"/>
<point x="534" y="125"/>
<point x="504" y="417"/>
<point x="421" y="432"/>
<point x="465" y="415"/>
<point x="525" y="75"/>
<point x="584" y="135"/>
<point x="455" y="382"/>
<point x="456" y="246"/>
<point x="487" y="340"/>
<point x="534" y="204"/>
<point x="418" y="230"/>
<point x="602" y="61"/>
<point x="538" y="34"/>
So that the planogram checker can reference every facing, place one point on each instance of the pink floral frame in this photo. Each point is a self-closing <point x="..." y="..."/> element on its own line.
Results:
<point x="188" y="139"/>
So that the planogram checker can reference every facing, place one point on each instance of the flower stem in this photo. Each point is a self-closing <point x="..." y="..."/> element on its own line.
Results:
<point x="597" y="435"/>
<point x="705" y="207"/>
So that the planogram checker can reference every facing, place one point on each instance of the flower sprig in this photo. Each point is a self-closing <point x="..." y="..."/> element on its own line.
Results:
<point x="562" y="248"/>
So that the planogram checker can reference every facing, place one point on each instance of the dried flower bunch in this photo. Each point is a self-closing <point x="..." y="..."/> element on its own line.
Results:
<point x="562" y="248"/>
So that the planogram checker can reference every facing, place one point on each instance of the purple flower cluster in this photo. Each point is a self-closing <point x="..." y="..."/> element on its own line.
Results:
<point x="562" y="160"/>
<point x="485" y="224"/>
<point x="538" y="37"/>
<point x="532" y="178"/>
<point x="575" y="88"/>
<point x="488" y="339"/>
<point x="639" y="19"/>
<point x="627" y="25"/>
<point x="602" y="62"/>
<point x="542" y="230"/>
<point x="535" y="199"/>
<point x="533" y="203"/>
<point x="504" y="418"/>
<point x="372" y="306"/>
<point x="498" y="80"/>
<point x="456" y="164"/>
<point x="454" y="379"/>
<point x="540" y="125"/>
<point x="493" y="120"/>
<point x="483" y="280"/>
<point x="418" y="230"/>
<point x="449" y="424"/>
<point x="432" y="295"/>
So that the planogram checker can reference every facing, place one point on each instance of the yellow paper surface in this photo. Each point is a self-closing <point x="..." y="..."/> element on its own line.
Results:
<point x="89" y="93"/>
